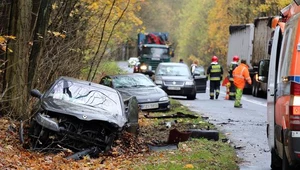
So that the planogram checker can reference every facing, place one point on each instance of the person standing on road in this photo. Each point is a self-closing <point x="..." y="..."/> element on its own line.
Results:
<point x="181" y="60"/>
<point x="194" y="66"/>
<point x="240" y="76"/>
<point x="215" y="73"/>
<point x="232" y="66"/>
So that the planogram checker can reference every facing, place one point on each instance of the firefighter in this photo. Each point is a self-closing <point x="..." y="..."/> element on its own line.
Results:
<point x="240" y="76"/>
<point x="232" y="66"/>
<point x="215" y="73"/>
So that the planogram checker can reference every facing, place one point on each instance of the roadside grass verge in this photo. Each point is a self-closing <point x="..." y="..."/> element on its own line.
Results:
<point x="191" y="154"/>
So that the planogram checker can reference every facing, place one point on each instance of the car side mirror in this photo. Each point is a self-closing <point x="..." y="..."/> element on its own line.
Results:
<point x="36" y="93"/>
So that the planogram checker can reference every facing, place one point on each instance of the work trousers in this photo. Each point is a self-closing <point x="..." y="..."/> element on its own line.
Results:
<point x="214" y="86"/>
<point x="238" y="97"/>
<point x="231" y="91"/>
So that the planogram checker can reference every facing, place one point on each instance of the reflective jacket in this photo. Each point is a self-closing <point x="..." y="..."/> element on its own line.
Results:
<point x="215" y="72"/>
<point x="241" y="75"/>
<point x="232" y="66"/>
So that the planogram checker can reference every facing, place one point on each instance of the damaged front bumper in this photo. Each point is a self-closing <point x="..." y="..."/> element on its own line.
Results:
<point x="47" y="122"/>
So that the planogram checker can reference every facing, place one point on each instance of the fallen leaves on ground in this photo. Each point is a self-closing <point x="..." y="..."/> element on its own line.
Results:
<point x="124" y="152"/>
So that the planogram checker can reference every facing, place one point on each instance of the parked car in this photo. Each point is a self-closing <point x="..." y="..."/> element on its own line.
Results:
<point x="149" y="96"/>
<point x="176" y="79"/>
<point x="78" y="115"/>
<point x="132" y="61"/>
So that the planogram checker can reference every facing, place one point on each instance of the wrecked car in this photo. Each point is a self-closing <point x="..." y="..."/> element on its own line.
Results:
<point x="79" y="115"/>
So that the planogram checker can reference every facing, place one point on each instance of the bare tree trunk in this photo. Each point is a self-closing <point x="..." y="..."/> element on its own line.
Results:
<point x="16" y="68"/>
<point x="38" y="36"/>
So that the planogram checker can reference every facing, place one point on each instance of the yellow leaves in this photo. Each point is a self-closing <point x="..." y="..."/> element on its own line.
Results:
<point x="93" y="6"/>
<point x="3" y="42"/>
<point x="54" y="6"/>
<point x="57" y="34"/>
<point x="189" y="166"/>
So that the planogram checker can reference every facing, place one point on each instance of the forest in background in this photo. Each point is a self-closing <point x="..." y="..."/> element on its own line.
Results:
<point x="41" y="40"/>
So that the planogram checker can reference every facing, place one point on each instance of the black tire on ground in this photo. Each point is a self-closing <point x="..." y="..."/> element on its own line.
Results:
<point x="191" y="97"/>
<point x="208" y="134"/>
<point x="285" y="162"/>
<point x="275" y="161"/>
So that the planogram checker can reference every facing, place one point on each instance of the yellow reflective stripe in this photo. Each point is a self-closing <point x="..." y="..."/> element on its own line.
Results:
<point x="241" y="74"/>
<point x="215" y="70"/>
<point x="215" y="78"/>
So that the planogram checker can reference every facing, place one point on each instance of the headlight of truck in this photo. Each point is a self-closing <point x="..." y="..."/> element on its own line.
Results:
<point x="143" y="67"/>
<point x="158" y="82"/>
<point x="189" y="83"/>
<point x="164" y="99"/>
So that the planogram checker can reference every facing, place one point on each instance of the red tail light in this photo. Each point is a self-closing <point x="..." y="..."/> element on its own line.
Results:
<point x="295" y="88"/>
<point x="294" y="122"/>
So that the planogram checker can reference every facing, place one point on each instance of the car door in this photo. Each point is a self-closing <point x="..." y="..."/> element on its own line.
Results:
<point x="200" y="79"/>
<point x="271" y="91"/>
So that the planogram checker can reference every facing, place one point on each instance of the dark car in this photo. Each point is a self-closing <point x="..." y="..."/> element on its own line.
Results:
<point x="78" y="114"/>
<point x="200" y="79"/>
<point x="176" y="79"/>
<point x="149" y="96"/>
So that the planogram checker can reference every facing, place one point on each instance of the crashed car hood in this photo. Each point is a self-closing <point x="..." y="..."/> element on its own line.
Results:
<point x="153" y="93"/>
<point x="83" y="112"/>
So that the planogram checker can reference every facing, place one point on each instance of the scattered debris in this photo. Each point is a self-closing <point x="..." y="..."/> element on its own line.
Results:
<point x="176" y="136"/>
<point x="208" y="134"/>
<point x="93" y="152"/>
<point x="176" y="115"/>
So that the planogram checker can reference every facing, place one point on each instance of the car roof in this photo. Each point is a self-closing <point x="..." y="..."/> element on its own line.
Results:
<point x="173" y="64"/>
<point x="126" y="74"/>
<point x="88" y="83"/>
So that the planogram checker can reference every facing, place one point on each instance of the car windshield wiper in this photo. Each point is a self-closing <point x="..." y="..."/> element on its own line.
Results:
<point x="122" y="86"/>
<point x="141" y="85"/>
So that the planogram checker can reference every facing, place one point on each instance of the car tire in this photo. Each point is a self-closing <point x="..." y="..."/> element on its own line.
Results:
<point x="38" y="135"/>
<point x="275" y="160"/>
<point x="285" y="162"/>
<point x="191" y="97"/>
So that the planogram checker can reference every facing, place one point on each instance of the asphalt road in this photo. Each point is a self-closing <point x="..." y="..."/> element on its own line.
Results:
<point x="244" y="127"/>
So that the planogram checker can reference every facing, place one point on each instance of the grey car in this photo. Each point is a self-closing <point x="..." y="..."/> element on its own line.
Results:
<point x="149" y="96"/>
<point x="176" y="79"/>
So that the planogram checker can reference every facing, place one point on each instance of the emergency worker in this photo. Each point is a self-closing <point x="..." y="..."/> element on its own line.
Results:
<point x="232" y="66"/>
<point x="240" y="76"/>
<point x="214" y="73"/>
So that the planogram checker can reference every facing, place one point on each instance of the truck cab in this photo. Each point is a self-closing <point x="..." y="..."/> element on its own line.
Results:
<point x="151" y="55"/>
<point x="153" y="48"/>
<point x="283" y="93"/>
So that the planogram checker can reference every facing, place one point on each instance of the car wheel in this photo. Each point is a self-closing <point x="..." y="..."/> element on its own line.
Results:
<point x="275" y="160"/>
<point x="191" y="97"/>
<point x="285" y="162"/>
<point x="38" y="136"/>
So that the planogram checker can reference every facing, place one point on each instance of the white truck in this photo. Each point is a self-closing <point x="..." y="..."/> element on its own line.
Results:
<point x="250" y="42"/>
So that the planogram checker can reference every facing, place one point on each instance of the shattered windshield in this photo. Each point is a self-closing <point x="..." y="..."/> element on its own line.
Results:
<point x="86" y="95"/>
<point x="127" y="81"/>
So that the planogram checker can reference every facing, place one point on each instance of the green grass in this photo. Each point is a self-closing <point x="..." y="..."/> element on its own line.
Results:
<point x="192" y="154"/>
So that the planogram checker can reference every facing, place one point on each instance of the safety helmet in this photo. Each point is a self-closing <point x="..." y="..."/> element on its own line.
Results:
<point x="236" y="58"/>
<point x="214" y="59"/>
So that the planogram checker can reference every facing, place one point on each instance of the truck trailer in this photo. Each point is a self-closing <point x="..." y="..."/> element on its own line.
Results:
<point x="250" y="42"/>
